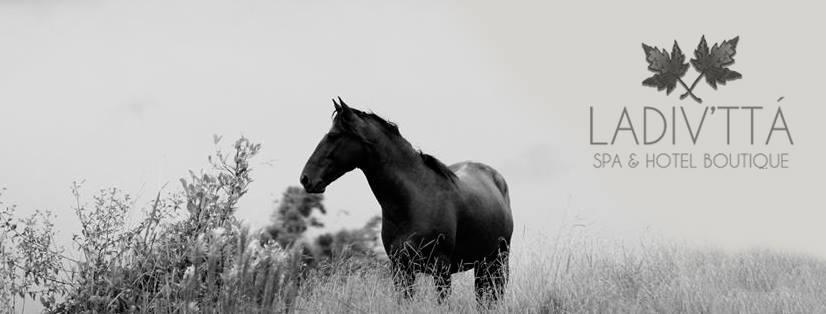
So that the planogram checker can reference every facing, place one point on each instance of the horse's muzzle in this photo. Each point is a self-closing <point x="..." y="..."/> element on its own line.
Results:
<point x="312" y="186"/>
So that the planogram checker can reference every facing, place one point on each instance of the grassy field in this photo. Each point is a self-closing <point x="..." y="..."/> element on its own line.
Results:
<point x="574" y="274"/>
<point x="190" y="254"/>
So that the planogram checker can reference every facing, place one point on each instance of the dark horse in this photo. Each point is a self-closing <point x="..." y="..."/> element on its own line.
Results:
<point x="436" y="219"/>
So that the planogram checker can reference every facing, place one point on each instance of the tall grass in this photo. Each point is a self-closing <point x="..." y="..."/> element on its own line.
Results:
<point x="576" y="273"/>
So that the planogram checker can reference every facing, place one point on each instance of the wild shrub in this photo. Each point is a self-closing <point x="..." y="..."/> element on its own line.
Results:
<point x="187" y="252"/>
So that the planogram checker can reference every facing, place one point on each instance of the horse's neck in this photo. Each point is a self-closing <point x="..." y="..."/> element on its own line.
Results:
<point x="396" y="177"/>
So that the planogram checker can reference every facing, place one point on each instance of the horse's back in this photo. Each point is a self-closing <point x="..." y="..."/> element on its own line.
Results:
<point x="475" y="174"/>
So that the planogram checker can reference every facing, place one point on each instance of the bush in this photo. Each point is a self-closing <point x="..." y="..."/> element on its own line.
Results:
<point x="187" y="253"/>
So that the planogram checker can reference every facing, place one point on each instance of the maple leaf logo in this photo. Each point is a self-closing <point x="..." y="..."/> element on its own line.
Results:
<point x="712" y="63"/>
<point x="669" y="69"/>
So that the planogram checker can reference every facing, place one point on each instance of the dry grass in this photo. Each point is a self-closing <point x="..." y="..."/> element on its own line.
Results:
<point x="575" y="274"/>
<point x="571" y="272"/>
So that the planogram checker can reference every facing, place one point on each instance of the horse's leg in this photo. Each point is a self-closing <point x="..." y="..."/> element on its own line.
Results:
<point x="441" y="277"/>
<point x="489" y="282"/>
<point x="442" y="280"/>
<point x="499" y="274"/>
<point x="481" y="282"/>
<point x="404" y="278"/>
<point x="491" y="276"/>
<point x="441" y="263"/>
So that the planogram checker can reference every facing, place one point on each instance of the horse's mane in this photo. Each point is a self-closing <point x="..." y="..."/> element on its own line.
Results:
<point x="431" y="162"/>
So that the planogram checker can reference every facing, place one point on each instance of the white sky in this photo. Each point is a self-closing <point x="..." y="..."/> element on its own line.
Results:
<point x="129" y="93"/>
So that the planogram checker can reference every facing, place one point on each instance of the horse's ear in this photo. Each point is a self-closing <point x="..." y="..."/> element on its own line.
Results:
<point x="336" y="105"/>
<point x="343" y="105"/>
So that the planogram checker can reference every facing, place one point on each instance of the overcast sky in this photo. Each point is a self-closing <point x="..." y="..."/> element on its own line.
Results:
<point x="129" y="94"/>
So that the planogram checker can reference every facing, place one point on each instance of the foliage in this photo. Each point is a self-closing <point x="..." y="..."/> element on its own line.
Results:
<point x="294" y="215"/>
<point x="360" y="247"/>
<point x="346" y="248"/>
<point x="187" y="253"/>
<point x="30" y="265"/>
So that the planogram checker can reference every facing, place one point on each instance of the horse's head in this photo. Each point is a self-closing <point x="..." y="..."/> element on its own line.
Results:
<point x="342" y="149"/>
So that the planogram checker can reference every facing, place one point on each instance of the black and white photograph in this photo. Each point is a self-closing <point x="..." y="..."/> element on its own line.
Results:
<point x="278" y="156"/>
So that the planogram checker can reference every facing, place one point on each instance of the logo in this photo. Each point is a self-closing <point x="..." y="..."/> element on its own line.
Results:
<point x="713" y="65"/>
<point x="732" y="135"/>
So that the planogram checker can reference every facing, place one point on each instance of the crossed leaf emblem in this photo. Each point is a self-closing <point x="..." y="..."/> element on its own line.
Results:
<point x="711" y="63"/>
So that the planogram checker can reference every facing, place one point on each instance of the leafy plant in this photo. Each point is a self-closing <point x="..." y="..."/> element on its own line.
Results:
<point x="30" y="262"/>
<point x="171" y="260"/>
<point x="186" y="253"/>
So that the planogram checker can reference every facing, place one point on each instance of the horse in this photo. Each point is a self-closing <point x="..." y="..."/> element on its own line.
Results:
<point x="436" y="219"/>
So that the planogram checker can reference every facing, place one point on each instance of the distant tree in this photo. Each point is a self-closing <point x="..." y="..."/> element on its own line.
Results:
<point x="294" y="215"/>
<point x="349" y="243"/>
